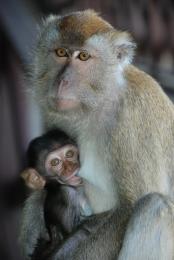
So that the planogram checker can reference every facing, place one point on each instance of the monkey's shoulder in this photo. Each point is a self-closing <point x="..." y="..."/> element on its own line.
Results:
<point x="146" y="89"/>
<point x="139" y="79"/>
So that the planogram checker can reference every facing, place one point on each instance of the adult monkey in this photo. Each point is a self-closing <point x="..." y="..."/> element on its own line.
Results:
<point x="124" y="126"/>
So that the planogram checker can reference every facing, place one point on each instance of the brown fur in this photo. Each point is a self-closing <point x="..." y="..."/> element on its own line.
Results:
<point x="80" y="27"/>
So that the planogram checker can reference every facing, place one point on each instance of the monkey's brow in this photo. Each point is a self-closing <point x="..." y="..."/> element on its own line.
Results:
<point x="71" y="50"/>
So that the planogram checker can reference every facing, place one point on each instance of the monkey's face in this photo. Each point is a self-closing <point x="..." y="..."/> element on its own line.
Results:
<point x="63" y="164"/>
<point x="78" y="62"/>
<point x="72" y="78"/>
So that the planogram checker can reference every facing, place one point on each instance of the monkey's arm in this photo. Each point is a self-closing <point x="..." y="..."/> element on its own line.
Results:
<point x="149" y="234"/>
<point x="32" y="223"/>
<point x="95" y="237"/>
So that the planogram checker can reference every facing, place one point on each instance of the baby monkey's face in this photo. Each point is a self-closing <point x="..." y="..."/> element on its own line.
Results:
<point x="63" y="164"/>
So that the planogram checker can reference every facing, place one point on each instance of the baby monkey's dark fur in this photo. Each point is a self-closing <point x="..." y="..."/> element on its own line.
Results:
<point x="62" y="205"/>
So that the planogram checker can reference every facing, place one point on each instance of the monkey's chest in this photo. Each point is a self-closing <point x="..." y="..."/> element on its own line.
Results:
<point x="99" y="186"/>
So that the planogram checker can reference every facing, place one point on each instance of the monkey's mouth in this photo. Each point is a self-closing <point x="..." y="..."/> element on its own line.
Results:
<point x="63" y="103"/>
<point x="72" y="180"/>
<point x="66" y="103"/>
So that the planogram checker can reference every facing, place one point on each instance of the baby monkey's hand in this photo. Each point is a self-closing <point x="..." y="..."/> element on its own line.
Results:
<point x="33" y="179"/>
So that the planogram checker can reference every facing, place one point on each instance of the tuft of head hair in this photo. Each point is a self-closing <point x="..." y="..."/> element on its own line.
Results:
<point x="86" y="24"/>
<point x="78" y="27"/>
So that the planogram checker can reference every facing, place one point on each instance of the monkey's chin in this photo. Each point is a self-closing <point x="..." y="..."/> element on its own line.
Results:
<point x="67" y="104"/>
<point x="75" y="181"/>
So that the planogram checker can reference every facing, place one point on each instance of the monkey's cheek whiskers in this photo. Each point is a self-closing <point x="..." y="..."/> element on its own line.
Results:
<point x="52" y="102"/>
<point x="42" y="102"/>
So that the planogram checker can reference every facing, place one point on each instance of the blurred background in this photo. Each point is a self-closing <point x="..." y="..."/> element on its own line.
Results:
<point x="152" y="26"/>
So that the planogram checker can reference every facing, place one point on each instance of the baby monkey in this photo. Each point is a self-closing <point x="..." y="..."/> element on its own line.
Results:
<point x="53" y="161"/>
<point x="53" y="156"/>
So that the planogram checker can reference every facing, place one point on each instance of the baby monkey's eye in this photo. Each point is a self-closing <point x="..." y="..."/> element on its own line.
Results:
<point x="61" y="52"/>
<point x="55" y="162"/>
<point x="69" y="154"/>
<point x="84" y="55"/>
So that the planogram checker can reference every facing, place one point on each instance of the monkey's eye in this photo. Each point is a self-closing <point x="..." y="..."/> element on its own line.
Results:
<point x="69" y="154"/>
<point x="84" y="55"/>
<point x="55" y="162"/>
<point x="61" y="52"/>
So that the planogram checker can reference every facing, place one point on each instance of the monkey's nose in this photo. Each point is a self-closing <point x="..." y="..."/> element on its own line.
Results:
<point x="64" y="82"/>
<point x="63" y="86"/>
<point x="68" y="169"/>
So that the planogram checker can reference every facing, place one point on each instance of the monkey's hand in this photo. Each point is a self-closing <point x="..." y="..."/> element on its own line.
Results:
<point x="33" y="179"/>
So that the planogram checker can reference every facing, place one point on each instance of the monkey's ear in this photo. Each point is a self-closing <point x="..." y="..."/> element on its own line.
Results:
<point x="50" y="18"/>
<point x="123" y="47"/>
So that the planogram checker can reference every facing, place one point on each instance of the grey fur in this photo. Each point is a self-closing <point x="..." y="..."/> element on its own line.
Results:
<point x="32" y="225"/>
<point x="125" y="131"/>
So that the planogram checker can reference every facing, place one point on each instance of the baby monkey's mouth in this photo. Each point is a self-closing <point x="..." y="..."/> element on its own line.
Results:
<point x="71" y="180"/>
